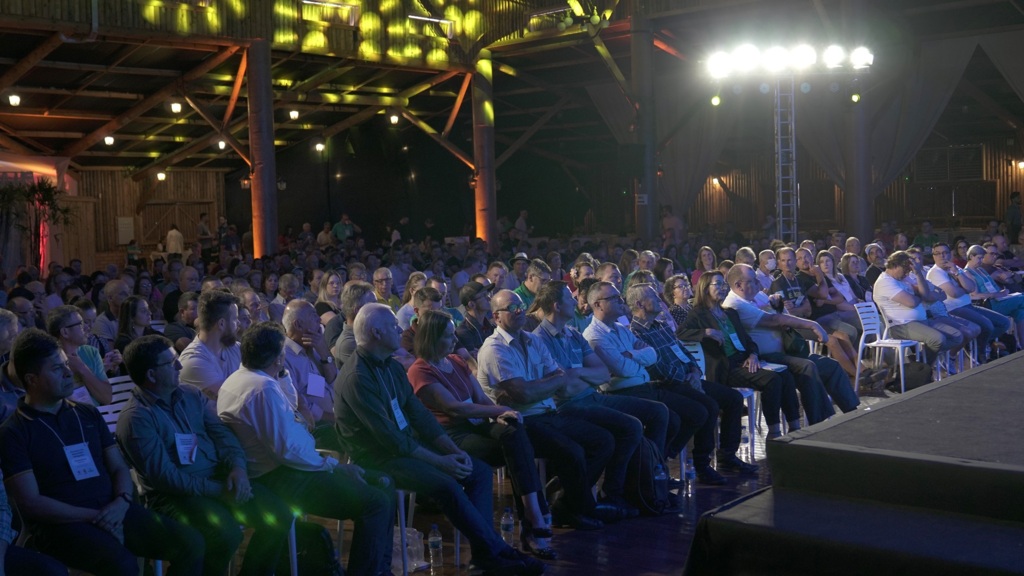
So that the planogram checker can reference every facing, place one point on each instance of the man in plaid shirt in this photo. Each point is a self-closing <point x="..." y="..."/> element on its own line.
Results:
<point x="678" y="370"/>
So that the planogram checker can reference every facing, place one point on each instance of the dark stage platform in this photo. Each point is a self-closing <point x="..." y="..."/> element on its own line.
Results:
<point x="929" y="482"/>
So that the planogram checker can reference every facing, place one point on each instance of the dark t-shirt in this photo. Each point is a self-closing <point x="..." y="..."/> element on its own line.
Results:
<point x="26" y="444"/>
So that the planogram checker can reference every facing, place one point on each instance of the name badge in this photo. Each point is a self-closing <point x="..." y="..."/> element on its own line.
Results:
<point x="399" y="417"/>
<point x="186" y="445"/>
<point x="679" y="353"/>
<point x="575" y="365"/>
<point x="316" y="385"/>
<point x="81" y="462"/>
<point x="736" y="341"/>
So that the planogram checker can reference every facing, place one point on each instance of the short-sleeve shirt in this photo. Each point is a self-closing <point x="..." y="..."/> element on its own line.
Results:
<point x="795" y="290"/>
<point x="459" y="383"/>
<point x="568" y="347"/>
<point x="33" y="441"/>
<point x="884" y="289"/>
<point x="768" y="340"/>
<point x="939" y="276"/>
<point x="205" y="370"/>
<point x="498" y="361"/>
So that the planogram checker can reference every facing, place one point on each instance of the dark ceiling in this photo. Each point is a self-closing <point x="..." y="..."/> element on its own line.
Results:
<point x="78" y="89"/>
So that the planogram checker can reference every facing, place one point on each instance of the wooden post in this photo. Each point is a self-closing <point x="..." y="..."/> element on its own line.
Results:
<point x="261" y="149"/>
<point x="486" y="201"/>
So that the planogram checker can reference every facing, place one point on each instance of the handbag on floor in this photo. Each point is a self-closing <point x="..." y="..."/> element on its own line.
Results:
<point x="315" y="551"/>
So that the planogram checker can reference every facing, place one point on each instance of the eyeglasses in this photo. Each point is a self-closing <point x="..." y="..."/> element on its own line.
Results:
<point x="73" y="325"/>
<point x="615" y="298"/>
<point x="940" y="252"/>
<point x="162" y="364"/>
<point x="513" y="308"/>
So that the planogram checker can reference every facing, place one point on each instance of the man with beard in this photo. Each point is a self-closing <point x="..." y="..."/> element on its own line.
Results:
<point x="214" y="354"/>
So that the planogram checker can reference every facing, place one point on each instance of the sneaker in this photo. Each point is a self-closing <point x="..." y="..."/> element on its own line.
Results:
<point x="710" y="477"/>
<point x="733" y="464"/>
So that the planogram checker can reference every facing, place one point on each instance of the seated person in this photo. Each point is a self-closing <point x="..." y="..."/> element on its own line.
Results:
<point x="70" y="482"/>
<point x="262" y="410"/>
<point x="426" y="298"/>
<point x="311" y="368"/>
<point x="91" y="384"/>
<point x="478" y="324"/>
<point x="181" y="330"/>
<point x="18" y="560"/>
<point x="192" y="467"/>
<point x="515" y="368"/>
<point x="732" y="356"/>
<point x="383" y="425"/>
<point x="495" y="434"/>
<point x="133" y="322"/>
<point x="214" y="353"/>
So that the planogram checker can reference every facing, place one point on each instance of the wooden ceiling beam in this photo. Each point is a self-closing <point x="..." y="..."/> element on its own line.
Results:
<point x="149" y="102"/>
<point x="15" y="72"/>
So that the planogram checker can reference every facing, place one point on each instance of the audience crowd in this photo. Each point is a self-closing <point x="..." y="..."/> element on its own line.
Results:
<point x="321" y="379"/>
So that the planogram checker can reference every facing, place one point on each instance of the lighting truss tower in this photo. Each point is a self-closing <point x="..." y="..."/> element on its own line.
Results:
<point x="787" y="191"/>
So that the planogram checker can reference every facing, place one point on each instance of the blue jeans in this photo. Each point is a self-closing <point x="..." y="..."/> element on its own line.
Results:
<point x="810" y="383"/>
<point x="685" y="415"/>
<point x="992" y="323"/>
<point x="625" y="428"/>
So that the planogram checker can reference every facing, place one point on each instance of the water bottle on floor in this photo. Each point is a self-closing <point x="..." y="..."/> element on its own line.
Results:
<point x="508" y="527"/>
<point x="691" y="477"/>
<point x="436" y="554"/>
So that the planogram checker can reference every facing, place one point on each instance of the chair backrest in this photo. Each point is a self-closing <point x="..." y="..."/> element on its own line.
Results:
<point x="121" y="387"/>
<point x="870" y="320"/>
<point x="698" y="352"/>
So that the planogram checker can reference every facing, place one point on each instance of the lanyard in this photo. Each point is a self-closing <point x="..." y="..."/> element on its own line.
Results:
<point x="54" y="432"/>
<point x="168" y="418"/>
<point x="386" y="389"/>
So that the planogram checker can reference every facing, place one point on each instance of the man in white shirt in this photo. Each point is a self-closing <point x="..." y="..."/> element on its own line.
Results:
<point x="766" y="327"/>
<point x="263" y="413"/>
<point x="214" y="353"/>
<point x="902" y="306"/>
<point x="766" y="265"/>
<point x="958" y="286"/>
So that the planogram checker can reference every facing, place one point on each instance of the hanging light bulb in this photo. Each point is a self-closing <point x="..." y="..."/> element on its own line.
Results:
<point x="14" y="99"/>
<point x="108" y="140"/>
<point x="222" y="144"/>
<point x="293" y="114"/>
<point x="161" y="176"/>
<point x="176" y="107"/>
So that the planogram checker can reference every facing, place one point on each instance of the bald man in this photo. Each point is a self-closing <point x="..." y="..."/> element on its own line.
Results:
<point x="311" y="366"/>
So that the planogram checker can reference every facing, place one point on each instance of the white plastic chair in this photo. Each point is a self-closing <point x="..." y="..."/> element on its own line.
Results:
<point x="121" y="388"/>
<point x="875" y="335"/>
<point x="749" y="394"/>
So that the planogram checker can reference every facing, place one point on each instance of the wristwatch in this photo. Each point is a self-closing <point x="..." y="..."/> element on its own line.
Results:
<point x="126" y="496"/>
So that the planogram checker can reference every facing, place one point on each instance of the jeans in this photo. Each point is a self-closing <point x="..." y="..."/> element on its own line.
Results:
<point x="577" y="450"/>
<point x="218" y="519"/>
<point x="508" y="446"/>
<point x="626" y="429"/>
<point x="685" y="415"/>
<point x="340" y="496"/>
<point x="21" y="561"/>
<point x="715" y="398"/>
<point x="778" y="390"/>
<point x="817" y="406"/>
<point x="992" y="323"/>
<point x="468" y="503"/>
<point x="836" y="382"/>
<point x="935" y="338"/>
<point x="147" y="534"/>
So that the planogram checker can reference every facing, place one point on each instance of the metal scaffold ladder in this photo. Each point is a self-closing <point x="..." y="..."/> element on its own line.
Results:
<point x="787" y="192"/>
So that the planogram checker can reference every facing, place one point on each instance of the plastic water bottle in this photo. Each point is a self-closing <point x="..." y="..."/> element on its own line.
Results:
<point x="690" y="477"/>
<point x="508" y="527"/>
<point x="661" y="479"/>
<point x="436" y="553"/>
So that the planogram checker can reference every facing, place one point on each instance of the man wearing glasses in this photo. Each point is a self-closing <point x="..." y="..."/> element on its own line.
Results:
<point x="382" y="288"/>
<point x="516" y="370"/>
<point x="91" y="386"/>
<point x="958" y="286"/>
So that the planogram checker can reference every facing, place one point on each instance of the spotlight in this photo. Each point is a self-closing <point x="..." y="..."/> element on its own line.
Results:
<point x="176" y="107"/>
<point x="320" y="146"/>
<point x="293" y="114"/>
<point x="1020" y="164"/>
<point x="716" y="181"/>
<point x="775" y="59"/>
<point x="108" y="140"/>
<point x="861" y="57"/>
<point x="746" y="57"/>
<point x="222" y="144"/>
<point x="393" y="118"/>
<point x="855" y="97"/>
<point x="719" y="65"/>
<point x="161" y="176"/>
<point x="716" y="100"/>
<point x="833" y="56"/>
<point x="803" y="56"/>
<point x="14" y="99"/>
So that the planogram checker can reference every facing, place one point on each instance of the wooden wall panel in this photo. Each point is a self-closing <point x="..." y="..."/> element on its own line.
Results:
<point x="181" y="195"/>
<point x="78" y="240"/>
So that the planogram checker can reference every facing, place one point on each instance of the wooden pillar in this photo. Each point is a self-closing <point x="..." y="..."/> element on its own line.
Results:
<point x="486" y="202"/>
<point x="261" y="149"/>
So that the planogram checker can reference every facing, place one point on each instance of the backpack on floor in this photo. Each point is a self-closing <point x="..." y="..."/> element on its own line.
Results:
<point x="647" y="480"/>
<point x="917" y="374"/>
<point x="315" y="552"/>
